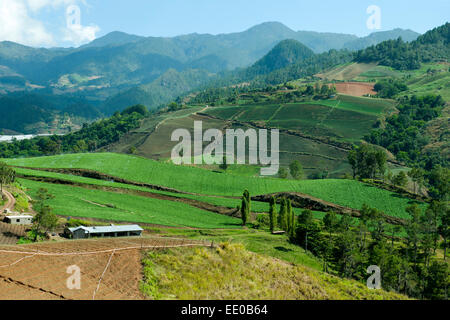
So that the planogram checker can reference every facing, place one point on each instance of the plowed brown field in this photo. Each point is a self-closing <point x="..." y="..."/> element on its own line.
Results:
<point x="109" y="268"/>
<point x="358" y="89"/>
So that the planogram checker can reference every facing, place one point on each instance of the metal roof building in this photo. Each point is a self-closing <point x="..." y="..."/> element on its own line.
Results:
<point x="105" y="231"/>
<point x="19" y="219"/>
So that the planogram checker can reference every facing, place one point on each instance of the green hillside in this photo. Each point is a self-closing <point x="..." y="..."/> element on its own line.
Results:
<point x="348" y="193"/>
<point x="109" y="206"/>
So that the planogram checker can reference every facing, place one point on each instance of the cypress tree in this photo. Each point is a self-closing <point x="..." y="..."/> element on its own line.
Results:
<point x="245" y="207"/>
<point x="291" y="219"/>
<point x="249" y="202"/>
<point x="282" y="218"/>
<point x="273" y="214"/>
<point x="244" y="210"/>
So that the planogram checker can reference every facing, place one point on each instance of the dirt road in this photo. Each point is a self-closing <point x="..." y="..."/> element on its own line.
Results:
<point x="10" y="202"/>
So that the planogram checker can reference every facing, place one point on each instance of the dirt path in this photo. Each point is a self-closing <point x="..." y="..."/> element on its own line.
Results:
<point x="10" y="203"/>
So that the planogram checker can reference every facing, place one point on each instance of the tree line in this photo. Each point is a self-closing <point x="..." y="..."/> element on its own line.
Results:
<point x="90" y="138"/>
<point x="431" y="46"/>
<point x="406" y="254"/>
<point x="404" y="133"/>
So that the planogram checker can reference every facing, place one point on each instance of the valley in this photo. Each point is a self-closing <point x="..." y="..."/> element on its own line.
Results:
<point x="362" y="159"/>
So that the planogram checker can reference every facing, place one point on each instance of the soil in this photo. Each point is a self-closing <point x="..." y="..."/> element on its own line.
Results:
<point x="357" y="89"/>
<point x="110" y="269"/>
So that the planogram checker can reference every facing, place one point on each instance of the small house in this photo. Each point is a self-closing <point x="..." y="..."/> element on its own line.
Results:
<point x="19" y="219"/>
<point x="104" y="231"/>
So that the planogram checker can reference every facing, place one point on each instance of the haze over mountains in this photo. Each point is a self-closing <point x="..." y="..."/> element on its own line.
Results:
<point x="120" y="69"/>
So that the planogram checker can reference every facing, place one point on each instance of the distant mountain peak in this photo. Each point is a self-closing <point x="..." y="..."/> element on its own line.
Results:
<point x="114" y="38"/>
<point x="286" y="52"/>
<point x="380" y="36"/>
<point x="272" y="26"/>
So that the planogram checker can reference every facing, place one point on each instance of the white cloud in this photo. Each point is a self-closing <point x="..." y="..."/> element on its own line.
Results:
<point x="36" y="5"/>
<point x="19" y="23"/>
<point x="18" y="26"/>
<point x="78" y="34"/>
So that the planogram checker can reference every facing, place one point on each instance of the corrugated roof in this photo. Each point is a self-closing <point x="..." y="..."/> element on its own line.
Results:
<point x="108" y="229"/>
<point x="19" y="217"/>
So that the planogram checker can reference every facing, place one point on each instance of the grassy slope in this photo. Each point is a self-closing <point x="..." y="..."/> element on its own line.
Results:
<point x="258" y="241"/>
<point x="344" y="192"/>
<point x="347" y="71"/>
<point x="345" y="112"/>
<point x="230" y="272"/>
<point x="430" y="84"/>
<point x="80" y="202"/>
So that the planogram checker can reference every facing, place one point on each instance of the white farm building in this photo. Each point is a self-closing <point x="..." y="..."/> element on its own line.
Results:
<point x="107" y="231"/>
<point x="19" y="219"/>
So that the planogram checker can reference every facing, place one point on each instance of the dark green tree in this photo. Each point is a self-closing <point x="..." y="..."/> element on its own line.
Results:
<point x="400" y="179"/>
<point x="45" y="219"/>
<point x="353" y="161"/>
<point x="413" y="231"/>
<point x="417" y="176"/>
<point x="305" y="226"/>
<point x="7" y="175"/>
<point x="244" y="210"/>
<point x="283" y="173"/>
<point x="444" y="229"/>
<point x="437" y="281"/>
<point x="282" y="216"/>
<point x="296" y="169"/>
<point x="273" y="214"/>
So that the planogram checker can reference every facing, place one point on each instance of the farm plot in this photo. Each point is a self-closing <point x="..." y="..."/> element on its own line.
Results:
<point x="347" y="193"/>
<point x="346" y="117"/>
<point x="87" y="203"/>
<point x="371" y="106"/>
<point x="324" y="120"/>
<point x="347" y="71"/>
<point x="159" y="145"/>
<point x="110" y="269"/>
<point x="9" y="234"/>
<point x="358" y="89"/>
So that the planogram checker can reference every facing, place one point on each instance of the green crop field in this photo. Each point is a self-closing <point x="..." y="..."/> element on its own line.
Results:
<point x="214" y="200"/>
<point x="378" y="72"/>
<point x="86" y="203"/>
<point x="348" y="71"/>
<point x="257" y="206"/>
<point x="370" y="106"/>
<point x="320" y="120"/>
<point x="344" y="192"/>
<point x="349" y="119"/>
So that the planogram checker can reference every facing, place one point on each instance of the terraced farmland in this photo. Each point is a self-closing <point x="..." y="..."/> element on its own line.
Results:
<point x="347" y="193"/>
<point x="86" y="203"/>
<point x="348" y="118"/>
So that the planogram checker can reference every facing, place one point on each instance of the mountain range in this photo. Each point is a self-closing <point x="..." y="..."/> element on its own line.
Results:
<point x="119" y="69"/>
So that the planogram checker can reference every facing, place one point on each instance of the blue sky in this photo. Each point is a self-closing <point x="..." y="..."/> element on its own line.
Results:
<point x="44" y="22"/>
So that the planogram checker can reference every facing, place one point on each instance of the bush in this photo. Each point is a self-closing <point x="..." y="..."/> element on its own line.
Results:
<point x="262" y="221"/>
<point x="139" y="108"/>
